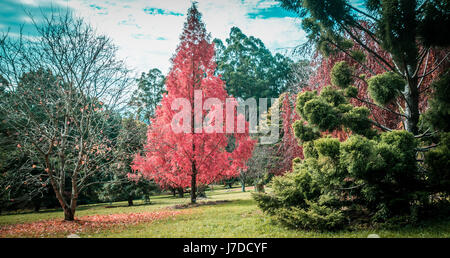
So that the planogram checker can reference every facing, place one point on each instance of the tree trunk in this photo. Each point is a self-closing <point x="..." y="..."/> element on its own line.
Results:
<point x="37" y="205"/>
<point x="411" y="95"/>
<point x="412" y="110"/>
<point x="69" y="215"/>
<point x="194" y="184"/>
<point x="181" y="192"/>
<point x="130" y="201"/>
<point x="201" y="191"/>
<point x="243" y="186"/>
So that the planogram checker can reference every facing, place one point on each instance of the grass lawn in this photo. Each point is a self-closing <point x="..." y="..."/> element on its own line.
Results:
<point x="237" y="218"/>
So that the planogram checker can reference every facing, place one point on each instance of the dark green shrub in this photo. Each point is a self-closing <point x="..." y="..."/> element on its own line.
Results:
<point x="357" y="120"/>
<point x="316" y="217"/>
<point x="371" y="176"/>
<point x="327" y="147"/>
<point x="321" y="114"/>
<point x="341" y="75"/>
<point x="385" y="87"/>
<point x="304" y="132"/>
<point x="437" y="163"/>
<point x="302" y="98"/>
<point x="438" y="115"/>
<point x="332" y="96"/>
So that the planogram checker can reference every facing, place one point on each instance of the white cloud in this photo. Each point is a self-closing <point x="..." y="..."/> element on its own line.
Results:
<point x="29" y="2"/>
<point x="147" y="41"/>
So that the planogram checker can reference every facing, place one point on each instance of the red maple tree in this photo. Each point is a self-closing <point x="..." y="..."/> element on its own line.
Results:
<point x="194" y="156"/>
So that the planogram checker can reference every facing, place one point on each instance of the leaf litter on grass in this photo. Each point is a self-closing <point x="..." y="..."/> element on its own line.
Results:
<point x="84" y="224"/>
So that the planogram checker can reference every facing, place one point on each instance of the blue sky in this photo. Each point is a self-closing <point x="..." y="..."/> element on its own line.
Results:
<point x="147" y="31"/>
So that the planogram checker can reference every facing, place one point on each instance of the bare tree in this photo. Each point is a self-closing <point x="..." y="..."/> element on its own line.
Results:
<point x="64" y="87"/>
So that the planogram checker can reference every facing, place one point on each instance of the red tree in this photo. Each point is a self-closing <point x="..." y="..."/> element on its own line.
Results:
<point x="288" y="147"/>
<point x="184" y="159"/>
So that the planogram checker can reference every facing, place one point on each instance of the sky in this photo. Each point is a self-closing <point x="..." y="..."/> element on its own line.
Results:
<point x="147" y="31"/>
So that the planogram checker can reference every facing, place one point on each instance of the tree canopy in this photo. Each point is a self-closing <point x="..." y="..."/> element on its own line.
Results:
<point x="249" y="69"/>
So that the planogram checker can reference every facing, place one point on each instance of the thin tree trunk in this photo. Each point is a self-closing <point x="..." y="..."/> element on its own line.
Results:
<point x="194" y="184"/>
<point x="411" y="95"/>
<point x="412" y="108"/>
<point x="181" y="192"/>
<point x="37" y="204"/>
<point x="68" y="214"/>
<point x="130" y="201"/>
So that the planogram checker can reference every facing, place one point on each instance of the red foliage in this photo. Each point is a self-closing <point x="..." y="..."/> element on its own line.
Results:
<point x="288" y="148"/>
<point x="172" y="158"/>
<point x="85" y="224"/>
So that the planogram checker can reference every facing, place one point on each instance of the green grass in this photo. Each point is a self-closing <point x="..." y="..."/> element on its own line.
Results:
<point x="238" y="218"/>
<point x="157" y="202"/>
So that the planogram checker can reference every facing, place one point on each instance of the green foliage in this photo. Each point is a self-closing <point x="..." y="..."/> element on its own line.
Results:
<point x="327" y="147"/>
<point x="341" y="75"/>
<point x="304" y="132"/>
<point x="321" y="114"/>
<point x="356" y="155"/>
<point x="435" y="26"/>
<point x="148" y="95"/>
<point x="351" y="92"/>
<point x="399" y="151"/>
<point x="376" y="178"/>
<point x="130" y="140"/>
<point x="302" y="98"/>
<point x="437" y="163"/>
<point x="329" y="111"/>
<point x="385" y="87"/>
<point x="267" y="202"/>
<point x="358" y="55"/>
<point x="296" y="201"/>
<point x="398" y="28"/>
<point x="386" y="169"/>
<point x="357" y="120"/>
<point x="318" y="217"/>
<point x="309" y="151"/>
<point x="249" y="69"/>
<point x="438" y="114"/>
<point x="332" y="96"/>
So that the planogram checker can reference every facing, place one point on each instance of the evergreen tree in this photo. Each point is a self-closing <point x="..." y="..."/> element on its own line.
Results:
<point x="249" y="69"/>
<point x="148" y="95"/>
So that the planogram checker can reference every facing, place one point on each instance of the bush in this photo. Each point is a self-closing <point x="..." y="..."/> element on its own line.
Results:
<point x="385" y="87"/>
<point x="371" y="176"/>
<point x="322" y="114"/>
<point x="341" y="75"/>
<point x="316" y="217"/>
<point x="304" y="133"/>
<point x="377" y="177"/>
<point x="437" y="163"/>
